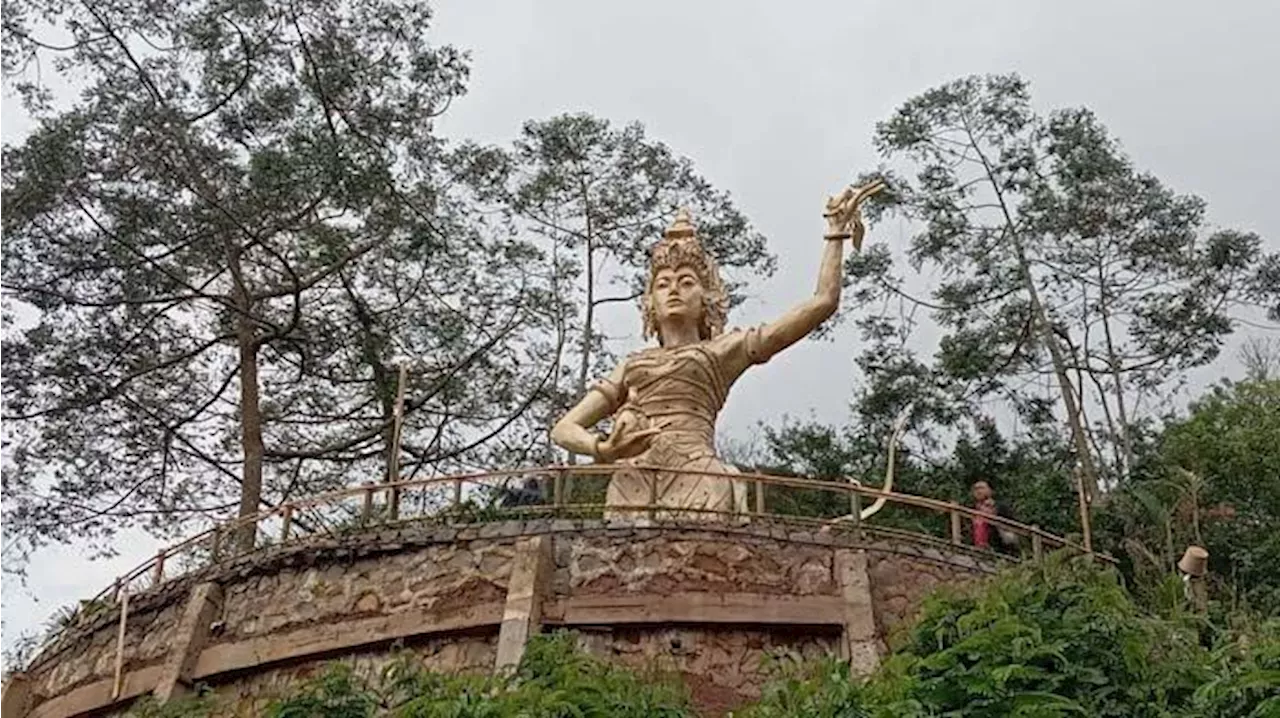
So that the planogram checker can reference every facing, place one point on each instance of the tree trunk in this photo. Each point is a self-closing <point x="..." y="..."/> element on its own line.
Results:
<point x="1088" y="469"/>
<point x="1113" y="362"/>
<point x="250" y="428"/>
<point x="587" y="321"/>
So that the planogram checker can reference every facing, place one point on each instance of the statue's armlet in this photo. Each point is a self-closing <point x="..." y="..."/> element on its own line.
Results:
<point x="753" y="345"/>
<point x="612" y="392"/>
<point x="613" y="388"/>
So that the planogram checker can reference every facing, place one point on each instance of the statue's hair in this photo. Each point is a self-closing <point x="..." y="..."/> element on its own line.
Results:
<point x="679" y="247"/>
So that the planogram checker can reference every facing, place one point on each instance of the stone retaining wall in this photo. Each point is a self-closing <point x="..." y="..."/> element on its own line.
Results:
<point x="708" y="601"/>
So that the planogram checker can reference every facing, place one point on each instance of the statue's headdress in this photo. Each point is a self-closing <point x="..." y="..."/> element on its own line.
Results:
<point x="679" y="247"/>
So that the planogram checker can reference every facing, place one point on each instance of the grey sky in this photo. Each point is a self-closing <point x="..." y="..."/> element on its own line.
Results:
<point x="776" y="103"/>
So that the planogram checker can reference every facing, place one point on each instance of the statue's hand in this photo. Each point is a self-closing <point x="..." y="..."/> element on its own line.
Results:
<point x="629" y="438"/>
<point x="844" y="211"/>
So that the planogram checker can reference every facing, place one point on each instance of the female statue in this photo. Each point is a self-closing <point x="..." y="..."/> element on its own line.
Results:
<point x="664" y="400"/>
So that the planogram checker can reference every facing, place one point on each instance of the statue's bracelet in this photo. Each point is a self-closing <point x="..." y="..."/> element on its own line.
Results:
<point x="838" y="235"/>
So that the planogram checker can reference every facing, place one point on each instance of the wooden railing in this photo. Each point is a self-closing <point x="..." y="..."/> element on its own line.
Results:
<point x="444" y="499"/>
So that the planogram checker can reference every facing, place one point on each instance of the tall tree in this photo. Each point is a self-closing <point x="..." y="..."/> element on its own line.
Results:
<point x="1065" y="279"/>
<point x="1224" y="460"/>
<point x="239" y="187"/>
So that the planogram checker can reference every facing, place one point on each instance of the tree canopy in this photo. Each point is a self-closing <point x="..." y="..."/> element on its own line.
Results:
<point x="221" y="260"/>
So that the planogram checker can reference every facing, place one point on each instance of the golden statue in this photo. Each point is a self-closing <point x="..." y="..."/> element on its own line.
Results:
<point x="664" y="400"/>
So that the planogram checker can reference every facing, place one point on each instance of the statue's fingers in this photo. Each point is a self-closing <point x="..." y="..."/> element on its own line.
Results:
<point x="867" y="190"/>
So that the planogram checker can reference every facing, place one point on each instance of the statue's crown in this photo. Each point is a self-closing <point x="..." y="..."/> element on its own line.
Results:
<point x="681" y="227"/>
<point x="679" y="246"/>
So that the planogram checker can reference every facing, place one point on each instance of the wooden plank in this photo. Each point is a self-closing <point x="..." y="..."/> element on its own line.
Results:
<point x="522" y="614"/>
<point x="118" y="682"/>
<point x="859" y="644"/>
<point x="188" y="640"/>
<point x="15" y="699"/>
<point x="97" y="695"/>
<point x="342" y="636"/>
<point x="739" y="608"/>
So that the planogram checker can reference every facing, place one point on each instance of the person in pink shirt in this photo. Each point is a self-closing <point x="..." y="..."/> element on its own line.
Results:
<point x="985" y="502"/>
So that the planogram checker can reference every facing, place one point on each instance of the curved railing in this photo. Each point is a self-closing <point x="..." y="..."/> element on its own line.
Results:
<point x="445" y="499"/>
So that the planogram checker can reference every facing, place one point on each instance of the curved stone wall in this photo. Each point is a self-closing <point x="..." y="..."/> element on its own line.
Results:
<point x="708" y="601"/>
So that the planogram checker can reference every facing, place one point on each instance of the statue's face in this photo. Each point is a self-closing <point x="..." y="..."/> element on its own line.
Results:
<point x="677" y="295"/>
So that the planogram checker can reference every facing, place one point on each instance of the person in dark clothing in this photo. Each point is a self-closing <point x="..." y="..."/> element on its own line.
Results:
<point x="529" y="493"/>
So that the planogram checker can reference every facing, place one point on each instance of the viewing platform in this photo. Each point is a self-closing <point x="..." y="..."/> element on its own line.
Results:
<point x="421" y="565"/>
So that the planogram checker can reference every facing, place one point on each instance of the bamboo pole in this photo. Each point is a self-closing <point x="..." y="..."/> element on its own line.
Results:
<point x="117" y="683"/>
<point x="157" y="574"/>
<point x="1085" y="524"/>
<point x="286" y="522"/>
<point x="393" y="461"/>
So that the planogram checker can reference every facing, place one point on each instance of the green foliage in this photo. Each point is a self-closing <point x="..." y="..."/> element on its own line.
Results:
<point x="1229" y="442"/>
<point x="228" y="242"/>
<point x="1062" y="639"/>
<point x="820" y="689"/>
<point x="1059" y="639"/>
<point x="337" y="693"/>
<point x="1048" y="253"/>
<point x="553" y="680"/>
<point x="1030" y="477"/>
<point x="1246" y="676"/>
<point x="198" y="705"/>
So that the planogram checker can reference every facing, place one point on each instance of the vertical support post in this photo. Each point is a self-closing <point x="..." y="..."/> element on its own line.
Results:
<point x="530" y="580"/>
<point x="215" y="544"/>
<point x="859" y="644"/>
<point x="157" y="573"/>
<point x="557" y="489"/>
<point x="1037" y="544"/>
<point x="855" y="508"/>
<point x="652" y="511"/>
<point x="457" y="493"/>
<point x="366" y="511"/>
<point x="286" y="523"/>
<point x="759" y="496"/>
<point x="117" y="683"/>
<point x="957" y="533"/>
<point x="188" y="640"/>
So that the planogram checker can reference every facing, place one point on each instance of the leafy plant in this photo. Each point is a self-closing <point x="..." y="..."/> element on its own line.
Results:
<point x="196" y="705"/>
<point x="820" y="689"/>
<point x="554" y="679"/>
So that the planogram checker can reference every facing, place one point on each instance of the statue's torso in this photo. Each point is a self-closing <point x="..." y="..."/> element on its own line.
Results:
<point x="681" y="390"/>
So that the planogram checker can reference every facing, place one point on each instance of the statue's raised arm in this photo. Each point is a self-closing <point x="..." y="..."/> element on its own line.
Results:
<point x="664" y="400"/>
<point x="844" y="222"/>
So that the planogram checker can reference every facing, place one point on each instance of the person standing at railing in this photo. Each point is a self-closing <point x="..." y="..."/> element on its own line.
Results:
<point x="984" y="501"/>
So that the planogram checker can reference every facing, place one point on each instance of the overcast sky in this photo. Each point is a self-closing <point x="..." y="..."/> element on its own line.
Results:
<point x="776" y="102"/>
